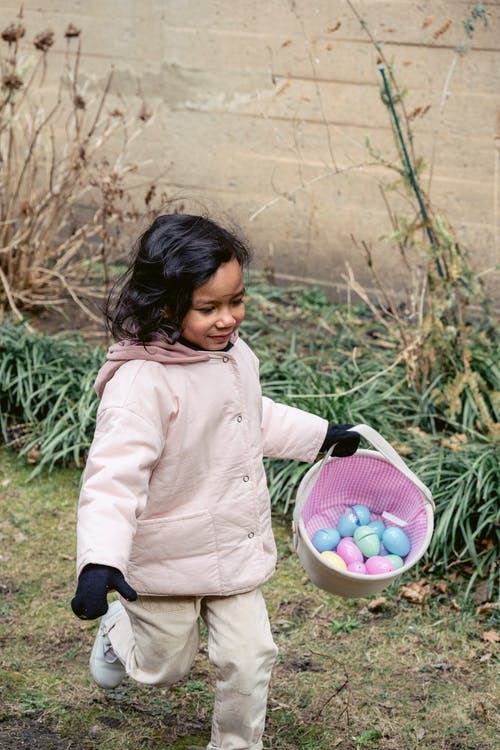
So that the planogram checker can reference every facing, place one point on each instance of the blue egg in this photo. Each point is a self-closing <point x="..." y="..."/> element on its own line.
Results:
<point x="347" y="523"/>
<point x="326" y="539"/>
<point x="379" y="527"/>
<point x="396" y="541"/>
<point x="362" y="514"/>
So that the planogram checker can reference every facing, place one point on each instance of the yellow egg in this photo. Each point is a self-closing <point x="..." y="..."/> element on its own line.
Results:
<point x="331" y="558"/>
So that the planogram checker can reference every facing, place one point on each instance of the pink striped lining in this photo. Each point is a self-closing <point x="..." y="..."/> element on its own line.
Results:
<point x="370" y="481"/>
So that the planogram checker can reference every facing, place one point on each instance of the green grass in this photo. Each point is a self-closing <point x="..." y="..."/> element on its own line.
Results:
<point x="337" y="362"/>
<point x="380" y="673"/>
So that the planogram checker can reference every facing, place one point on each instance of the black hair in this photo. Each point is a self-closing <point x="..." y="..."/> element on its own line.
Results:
<point x="173" y="257"/>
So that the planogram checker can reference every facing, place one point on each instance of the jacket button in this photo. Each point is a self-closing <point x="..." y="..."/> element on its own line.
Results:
<point x="251" y="534"/>
<point x="239" y="418"/>
<point x="246" y="478"/>
<point x="225" y="359"/>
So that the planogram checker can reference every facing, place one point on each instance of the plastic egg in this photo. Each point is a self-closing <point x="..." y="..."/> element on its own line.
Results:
<point x="334" y="560"/>
<point x="396" y="560"/>
<point x="347" y="523"/>
<point x="376" y="565"/>
<point x="356" y="567"/>
<point x="395" y="541"/>
<point x="362" y="514"/>
<point x="379" y="527"/>
<point x="325" y="539"/>
<point x="349" y="551"/>
<point x="367" y="540"/>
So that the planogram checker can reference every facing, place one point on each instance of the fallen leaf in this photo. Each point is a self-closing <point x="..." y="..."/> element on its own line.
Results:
<point x="33" y="456"/>
<point x="378" y="604"/>
<point x="403" y="450"/>
<point x="486" y="608"/>
<point x="415" y="593"/>
<point x="481" y="594"/>
<point x="444" y="28"/>
<point x="440" y="587"/>
<point x="420" y="734"/>
<point x="490" y="636"/>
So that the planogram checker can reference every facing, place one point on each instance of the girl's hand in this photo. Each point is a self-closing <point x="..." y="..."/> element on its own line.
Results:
<point x="90" y="600"/>
<point x="346" y="441"/>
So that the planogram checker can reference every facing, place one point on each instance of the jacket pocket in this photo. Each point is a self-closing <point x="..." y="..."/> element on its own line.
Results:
<point x="175" y="556"/>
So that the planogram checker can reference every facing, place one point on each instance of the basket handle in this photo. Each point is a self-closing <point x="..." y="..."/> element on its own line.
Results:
<point x="383" y="447"/>
<point x="388" y="452"/>
<point x="309" y="483"/>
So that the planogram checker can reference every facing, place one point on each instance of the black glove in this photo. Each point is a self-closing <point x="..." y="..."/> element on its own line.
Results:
<point x="346" y="442"/>
<point x="90" y="600"/>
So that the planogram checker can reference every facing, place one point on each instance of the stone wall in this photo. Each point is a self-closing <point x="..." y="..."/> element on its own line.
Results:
<point x="271" y="112"/>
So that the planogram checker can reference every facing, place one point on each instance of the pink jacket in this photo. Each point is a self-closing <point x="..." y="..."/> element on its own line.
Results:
<point x="174" y="492"/>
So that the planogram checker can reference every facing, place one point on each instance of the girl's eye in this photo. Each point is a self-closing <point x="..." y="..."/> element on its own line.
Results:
<point x="237" y="302"/>
<point x="206" y="310"/>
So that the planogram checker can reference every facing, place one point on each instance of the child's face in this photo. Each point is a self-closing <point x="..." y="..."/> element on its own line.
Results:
<point x="217" y="309"/>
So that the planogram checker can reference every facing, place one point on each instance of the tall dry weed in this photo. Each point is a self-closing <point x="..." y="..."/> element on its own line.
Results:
<point x="65" y="174"/>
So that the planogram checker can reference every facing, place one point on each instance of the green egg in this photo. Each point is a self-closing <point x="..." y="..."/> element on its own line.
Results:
<point x="396" y="560"/>
<point x="367" y="540"/>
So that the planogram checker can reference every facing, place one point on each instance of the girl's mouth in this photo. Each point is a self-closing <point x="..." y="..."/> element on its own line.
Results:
<point x="221" y="336"/>
<point x="221" y="339"/>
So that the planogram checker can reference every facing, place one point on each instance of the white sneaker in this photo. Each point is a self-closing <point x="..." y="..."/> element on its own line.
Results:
<point x="105" y="666"/>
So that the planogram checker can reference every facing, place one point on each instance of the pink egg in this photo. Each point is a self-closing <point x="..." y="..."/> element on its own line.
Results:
<point x="349" y="550"/>
<point x="357" y="567"/>
<point x="378" y="564"/>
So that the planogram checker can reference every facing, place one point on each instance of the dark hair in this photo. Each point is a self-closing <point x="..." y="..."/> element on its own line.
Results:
<point x="172" y="258"/>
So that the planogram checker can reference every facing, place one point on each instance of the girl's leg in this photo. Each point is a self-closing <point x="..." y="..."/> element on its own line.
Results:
<point x="241" y="647"/>
<point x="156" y="637"/>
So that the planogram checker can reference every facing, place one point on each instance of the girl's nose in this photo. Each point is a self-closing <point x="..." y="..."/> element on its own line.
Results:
<point x="226" y="319"/>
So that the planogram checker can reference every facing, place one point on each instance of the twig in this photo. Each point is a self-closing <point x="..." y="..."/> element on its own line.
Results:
<point x="395" y="227"/>
<point x="383" y="58"/>
<point x="390" y="305"/>
<point x="29" y="155"/>
<point x="358" y="387"/>
<point x="70" y="291"/>
<point x="9" y="296"/>
<point x="336" y="692"/>
<point x="100" y="107"/>
<point x="318" y="90"/>
<point x="444" y="96"/>
<point x="408" y="165"/>
<point x="290" y="193"/>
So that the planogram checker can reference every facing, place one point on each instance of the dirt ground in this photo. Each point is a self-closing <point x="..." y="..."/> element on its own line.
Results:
<point x="15" y="735"/>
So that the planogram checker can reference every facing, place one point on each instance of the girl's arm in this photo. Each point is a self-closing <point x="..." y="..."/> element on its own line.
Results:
<point x="288" y="432"/>
<point x="124" y="451"/>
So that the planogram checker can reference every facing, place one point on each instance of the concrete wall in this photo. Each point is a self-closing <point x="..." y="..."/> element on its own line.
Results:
<point x="263" y="110"/>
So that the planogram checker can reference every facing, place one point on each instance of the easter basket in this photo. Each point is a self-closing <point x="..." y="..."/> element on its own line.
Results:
<point x="378" y="479"/>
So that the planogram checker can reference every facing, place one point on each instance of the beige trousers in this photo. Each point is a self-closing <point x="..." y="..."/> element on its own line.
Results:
<point x="157" y="639"/>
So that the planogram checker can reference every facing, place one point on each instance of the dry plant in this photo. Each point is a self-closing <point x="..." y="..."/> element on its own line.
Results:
<point x="65" y="190"/>
<point x="445" y="326"/>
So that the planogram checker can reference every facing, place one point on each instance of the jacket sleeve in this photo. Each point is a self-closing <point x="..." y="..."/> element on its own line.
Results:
<point x="288" y="432"/>
<point x="115" y="483"/>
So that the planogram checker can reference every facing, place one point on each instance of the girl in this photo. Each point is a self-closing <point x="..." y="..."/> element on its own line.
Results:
<point x="174" y="511"/>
